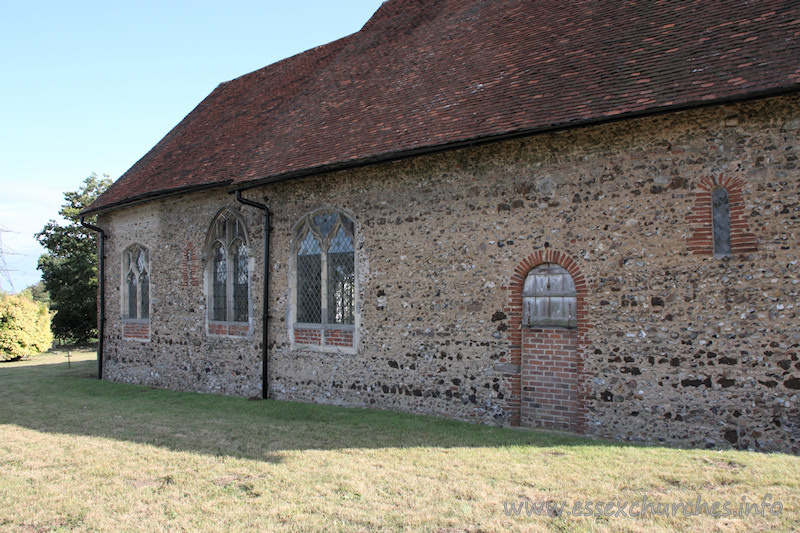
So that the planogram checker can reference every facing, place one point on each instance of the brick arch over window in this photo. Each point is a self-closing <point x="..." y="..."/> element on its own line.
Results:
<point x="190" y="274"/>
<point x="517" y="335"/>
<point x="701" y="218"/>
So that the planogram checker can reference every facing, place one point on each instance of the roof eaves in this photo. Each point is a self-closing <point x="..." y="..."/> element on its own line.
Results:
<point x="158" y="195"/>
<point x="387" y="157"/>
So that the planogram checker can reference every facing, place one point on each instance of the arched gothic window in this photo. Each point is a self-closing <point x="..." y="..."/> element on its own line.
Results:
<point x="721" y="221"/>
<point x="136" y="293"/>
<point x="228" y="264"/>
<point x="325" y="269"/>
<point x="549" y="298"/>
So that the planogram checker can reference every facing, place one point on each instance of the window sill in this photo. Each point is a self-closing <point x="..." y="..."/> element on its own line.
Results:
<point x="543" y="327"/>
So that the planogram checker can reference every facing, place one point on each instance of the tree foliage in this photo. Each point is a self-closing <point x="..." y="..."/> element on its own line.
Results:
<point x="37" y="293"/>
<point x="24" y="327"/>
<point x="69" y="268"/>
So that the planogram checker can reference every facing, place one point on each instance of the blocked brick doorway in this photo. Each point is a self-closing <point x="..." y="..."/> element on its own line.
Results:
<point x="550" y="379"/>
<point x="547" y="327"/>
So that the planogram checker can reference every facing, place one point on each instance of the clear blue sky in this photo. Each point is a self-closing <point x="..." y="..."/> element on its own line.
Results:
<point x="91" y="86"/>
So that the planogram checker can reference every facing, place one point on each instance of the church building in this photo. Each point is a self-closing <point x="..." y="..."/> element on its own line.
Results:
<point x="581" y="216"/>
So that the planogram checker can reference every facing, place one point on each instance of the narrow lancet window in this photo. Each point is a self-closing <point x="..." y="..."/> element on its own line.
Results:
<point x="721" y="217"/>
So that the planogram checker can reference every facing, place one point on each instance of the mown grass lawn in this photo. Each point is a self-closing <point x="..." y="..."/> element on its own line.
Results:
<point x="81" y="454"/>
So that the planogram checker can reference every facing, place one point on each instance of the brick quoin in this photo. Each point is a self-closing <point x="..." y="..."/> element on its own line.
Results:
<point x="550" y="389"/>
<point x="702" y="241"/>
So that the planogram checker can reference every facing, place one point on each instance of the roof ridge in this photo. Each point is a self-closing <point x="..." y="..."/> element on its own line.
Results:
<point x="403" y="14"/>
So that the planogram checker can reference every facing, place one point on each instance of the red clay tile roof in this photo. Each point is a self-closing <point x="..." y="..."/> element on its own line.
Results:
<point x="426" y="74"/>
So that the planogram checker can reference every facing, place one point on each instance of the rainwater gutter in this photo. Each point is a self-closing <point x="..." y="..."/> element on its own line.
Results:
<point x="101" y="280"/>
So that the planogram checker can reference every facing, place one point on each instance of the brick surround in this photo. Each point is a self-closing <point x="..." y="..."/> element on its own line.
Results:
<point x="547" y="384"/>
<point x="190" y="270"/>
<point x="338" y="337"/>
<point x="702" y="240"/>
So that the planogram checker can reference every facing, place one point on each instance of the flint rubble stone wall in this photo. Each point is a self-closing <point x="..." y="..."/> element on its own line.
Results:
<point x="682" y="347"/>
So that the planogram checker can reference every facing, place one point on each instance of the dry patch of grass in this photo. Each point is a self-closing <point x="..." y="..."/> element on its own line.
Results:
<point x="82" y="454"/>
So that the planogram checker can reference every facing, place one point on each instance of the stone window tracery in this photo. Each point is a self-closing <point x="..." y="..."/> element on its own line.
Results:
<point x="324" y="279"/>
<point x="136" y="292"/>
<point x="326" y="270"/>
<point x="228" y="270"/>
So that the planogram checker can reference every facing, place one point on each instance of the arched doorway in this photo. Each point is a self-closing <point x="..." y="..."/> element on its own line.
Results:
<point x="547" y="320"/>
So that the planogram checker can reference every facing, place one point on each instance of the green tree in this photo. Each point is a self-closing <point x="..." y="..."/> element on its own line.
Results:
<point x="37" y="293"/>
<point x="24" y="327"/>
<point x="69" y="268"/>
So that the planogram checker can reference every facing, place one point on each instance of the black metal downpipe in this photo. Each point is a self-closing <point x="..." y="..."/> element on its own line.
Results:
<point x="101" y="280"/>
<point x="265" y="298"/>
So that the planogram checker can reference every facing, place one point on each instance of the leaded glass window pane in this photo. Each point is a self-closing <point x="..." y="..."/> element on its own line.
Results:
<point x="341" y="279"/>
<point x="309" y="280"/>
<point x="325" y="222"/>
<point x="131" y="282"/>
<point x="721" y="215"/>
<point x="219" y="283"/>
<point x="325" y="270"/>
<point x="141" y="261"/>
<point x="240" y="275"/>
<point x="228" y="269"/>
<point x="144" y="294"/>
<point x="136" y="294"/>
<point x="549" y="297"/>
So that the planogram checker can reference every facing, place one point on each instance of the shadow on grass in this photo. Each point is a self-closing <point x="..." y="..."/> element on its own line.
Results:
<point x="50" y="397"/>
